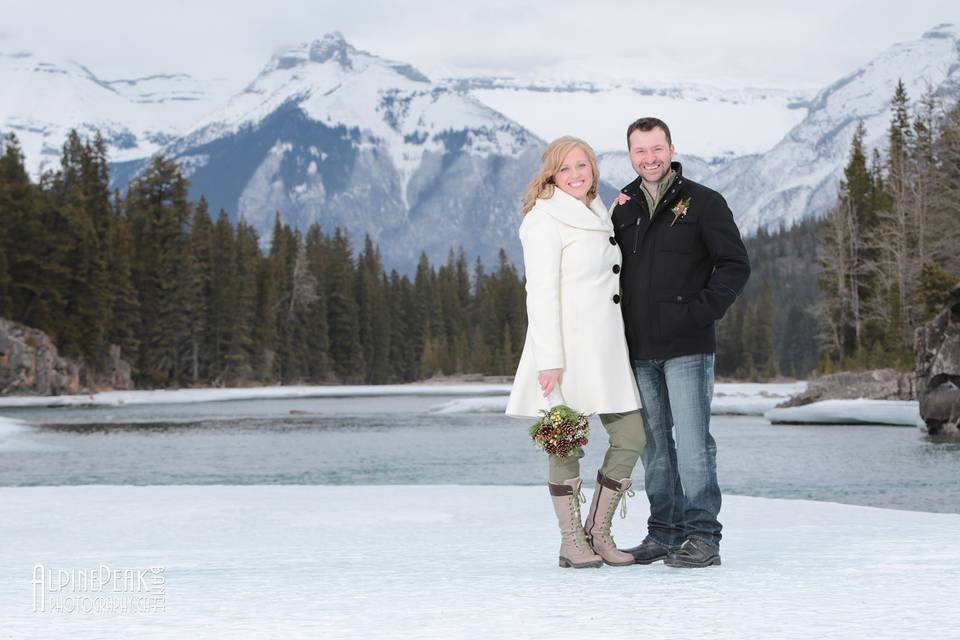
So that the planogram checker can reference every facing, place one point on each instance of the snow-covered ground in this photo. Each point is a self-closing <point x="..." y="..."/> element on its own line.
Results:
<point x="185" y="396"/>
<point x="397" y="562"/>
<point x="729" y="398"/>
<point x="755" y="119"/>
<point x="892" y="412"/>
<point x="751" y="398"/>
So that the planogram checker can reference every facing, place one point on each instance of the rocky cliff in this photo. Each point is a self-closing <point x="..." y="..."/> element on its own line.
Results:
<point x="938" y="369"/>
<point x="31" y="365"/>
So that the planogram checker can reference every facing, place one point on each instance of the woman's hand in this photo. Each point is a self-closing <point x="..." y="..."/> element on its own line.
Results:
<point x="549" y="378"/>
<point x="622" y="198"/>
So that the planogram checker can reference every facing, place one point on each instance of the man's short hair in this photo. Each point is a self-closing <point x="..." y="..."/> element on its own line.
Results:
<point x="648" y="124"/>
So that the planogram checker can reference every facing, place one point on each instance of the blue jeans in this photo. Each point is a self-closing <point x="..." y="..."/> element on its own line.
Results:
<point x="680" y="459"/>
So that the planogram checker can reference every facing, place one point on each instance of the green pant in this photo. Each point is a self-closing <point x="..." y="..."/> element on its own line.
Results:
<point x="627" y="439"/>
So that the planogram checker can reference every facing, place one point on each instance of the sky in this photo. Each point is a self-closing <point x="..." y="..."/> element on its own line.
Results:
<point x="734" y="43"/>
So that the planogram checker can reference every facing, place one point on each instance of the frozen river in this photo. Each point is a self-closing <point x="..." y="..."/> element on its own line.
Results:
<point x="405" y="440"/>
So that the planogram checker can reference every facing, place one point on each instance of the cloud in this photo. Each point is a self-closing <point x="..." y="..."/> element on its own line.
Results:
<point x="736" y="42"/>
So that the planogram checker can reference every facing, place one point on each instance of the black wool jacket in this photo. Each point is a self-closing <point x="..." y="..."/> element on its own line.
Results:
<point x="681" y="271"/>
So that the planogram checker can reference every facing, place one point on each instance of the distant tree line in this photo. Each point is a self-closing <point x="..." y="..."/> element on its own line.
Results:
<point x="772" y="330"/>
<point x="890" y="247"/>
<point x="192" y="299"/>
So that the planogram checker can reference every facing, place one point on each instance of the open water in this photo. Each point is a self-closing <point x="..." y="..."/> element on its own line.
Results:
<point x="399" y="440"/>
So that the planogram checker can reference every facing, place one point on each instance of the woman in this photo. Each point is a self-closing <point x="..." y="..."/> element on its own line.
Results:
<point x="575" y="346"/>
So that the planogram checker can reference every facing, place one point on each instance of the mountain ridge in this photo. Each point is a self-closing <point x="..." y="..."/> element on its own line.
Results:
<point x="332" y="134"/>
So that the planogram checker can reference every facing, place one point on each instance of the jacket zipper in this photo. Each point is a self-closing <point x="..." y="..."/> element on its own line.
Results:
<point x="666" y="199"/>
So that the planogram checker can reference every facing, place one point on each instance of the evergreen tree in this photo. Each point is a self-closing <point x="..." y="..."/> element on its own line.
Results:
<point x="509" y="301"/>
<point x="277" y="298"/>
<point x="403" y="356"/>
<point x="158" y="210"/>
<point x="762" y="340"/>
<point x="6" y="304"/>
<point x="223" y="300"/>
<point x="81" y="317"/>
<point x="373" y="315"/>
<point x="481" y="320"/>
<point x="240" y="316"/>
<point x="842" y="259"/>
<point x="891" y="243"/>
<point x="943" y="226"/>
<point x="462" y="345"/>
<point x="925" y="174"/>
<point x="934" y="290"/>
<point x="36" y="276"/>
<point x="346" y="352"/>
<point x="425" y="318"/>
<point x="199" y="283"/>
<point x="317" y="335"/>
<point x="798" y="344"/>
<point x="730" y="340"/>
<point x="748" y="369"/>
<point x="125" y="306"/>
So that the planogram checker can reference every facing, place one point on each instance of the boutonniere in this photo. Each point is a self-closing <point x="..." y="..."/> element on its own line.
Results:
<point x="680" y="210"/>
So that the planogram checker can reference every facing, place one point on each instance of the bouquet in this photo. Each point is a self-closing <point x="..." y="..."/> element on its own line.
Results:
<point x="561" y="431"/>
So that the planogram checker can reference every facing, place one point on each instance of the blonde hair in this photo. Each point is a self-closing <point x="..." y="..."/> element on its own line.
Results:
<point x="542" y="185"/>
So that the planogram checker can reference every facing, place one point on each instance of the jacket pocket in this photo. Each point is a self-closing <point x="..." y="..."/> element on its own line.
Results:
<point x="681" y="236"/>
<point x="673" y="313"/>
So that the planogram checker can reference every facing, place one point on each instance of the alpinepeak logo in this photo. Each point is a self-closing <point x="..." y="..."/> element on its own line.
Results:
<point x="98" y="591"/>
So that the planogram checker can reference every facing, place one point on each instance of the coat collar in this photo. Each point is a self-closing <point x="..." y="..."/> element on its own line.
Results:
<point x="572" y="212"/>
<point x="633" y="189"/>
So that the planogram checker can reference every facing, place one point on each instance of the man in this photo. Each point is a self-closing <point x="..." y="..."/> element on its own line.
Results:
<point x="684" y="264"/>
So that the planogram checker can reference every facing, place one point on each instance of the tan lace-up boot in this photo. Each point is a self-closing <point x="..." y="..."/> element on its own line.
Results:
<point x="606" y="496"/>
<point x="575" y="551"/>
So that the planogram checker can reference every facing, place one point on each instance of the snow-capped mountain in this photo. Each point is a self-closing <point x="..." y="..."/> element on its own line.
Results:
<point x="331" y="134"/>
<point x="43" y="98"/>
<point x="706" y="121"/>
<point x="800" y="176"/>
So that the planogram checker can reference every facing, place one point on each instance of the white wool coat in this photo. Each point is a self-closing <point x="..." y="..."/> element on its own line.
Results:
<point x="574" y="321"/>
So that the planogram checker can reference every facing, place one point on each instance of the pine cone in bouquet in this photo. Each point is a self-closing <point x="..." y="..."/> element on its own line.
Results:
<point x="561" y="431"/>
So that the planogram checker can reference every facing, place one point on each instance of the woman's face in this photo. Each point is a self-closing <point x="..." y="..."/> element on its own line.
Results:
<point x="575" y="176"/>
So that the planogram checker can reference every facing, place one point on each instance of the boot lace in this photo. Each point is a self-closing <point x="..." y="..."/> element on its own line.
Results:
<point x="629" y="493"/>
<point x="580" y="537"/>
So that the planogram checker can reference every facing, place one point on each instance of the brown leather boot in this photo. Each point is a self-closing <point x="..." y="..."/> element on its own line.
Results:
<point x="606" y="496"/>
<point x="575" y="551"/>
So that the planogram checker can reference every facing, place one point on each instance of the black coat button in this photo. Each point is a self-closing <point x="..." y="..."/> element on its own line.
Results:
<point x="613" y="240"/>
<point x="679" y="298"/>
<point x="616" y="298"/>
<point x="616" y="268"/>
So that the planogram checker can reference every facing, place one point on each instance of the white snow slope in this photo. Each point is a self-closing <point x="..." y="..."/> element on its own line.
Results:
<point x="399" y="562"/>
<point x="754" y="119"/>
<point x="729" y="398"/>
<point x="800" y="176"/>
<point x="43" y="98"/>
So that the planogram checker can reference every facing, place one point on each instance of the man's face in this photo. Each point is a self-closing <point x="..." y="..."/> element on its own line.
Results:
<point x="650" y="154"/>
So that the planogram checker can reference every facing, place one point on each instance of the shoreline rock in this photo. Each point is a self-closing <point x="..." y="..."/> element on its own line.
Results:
<point x="877" y="384"/>
<point x="30" y="365"/>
